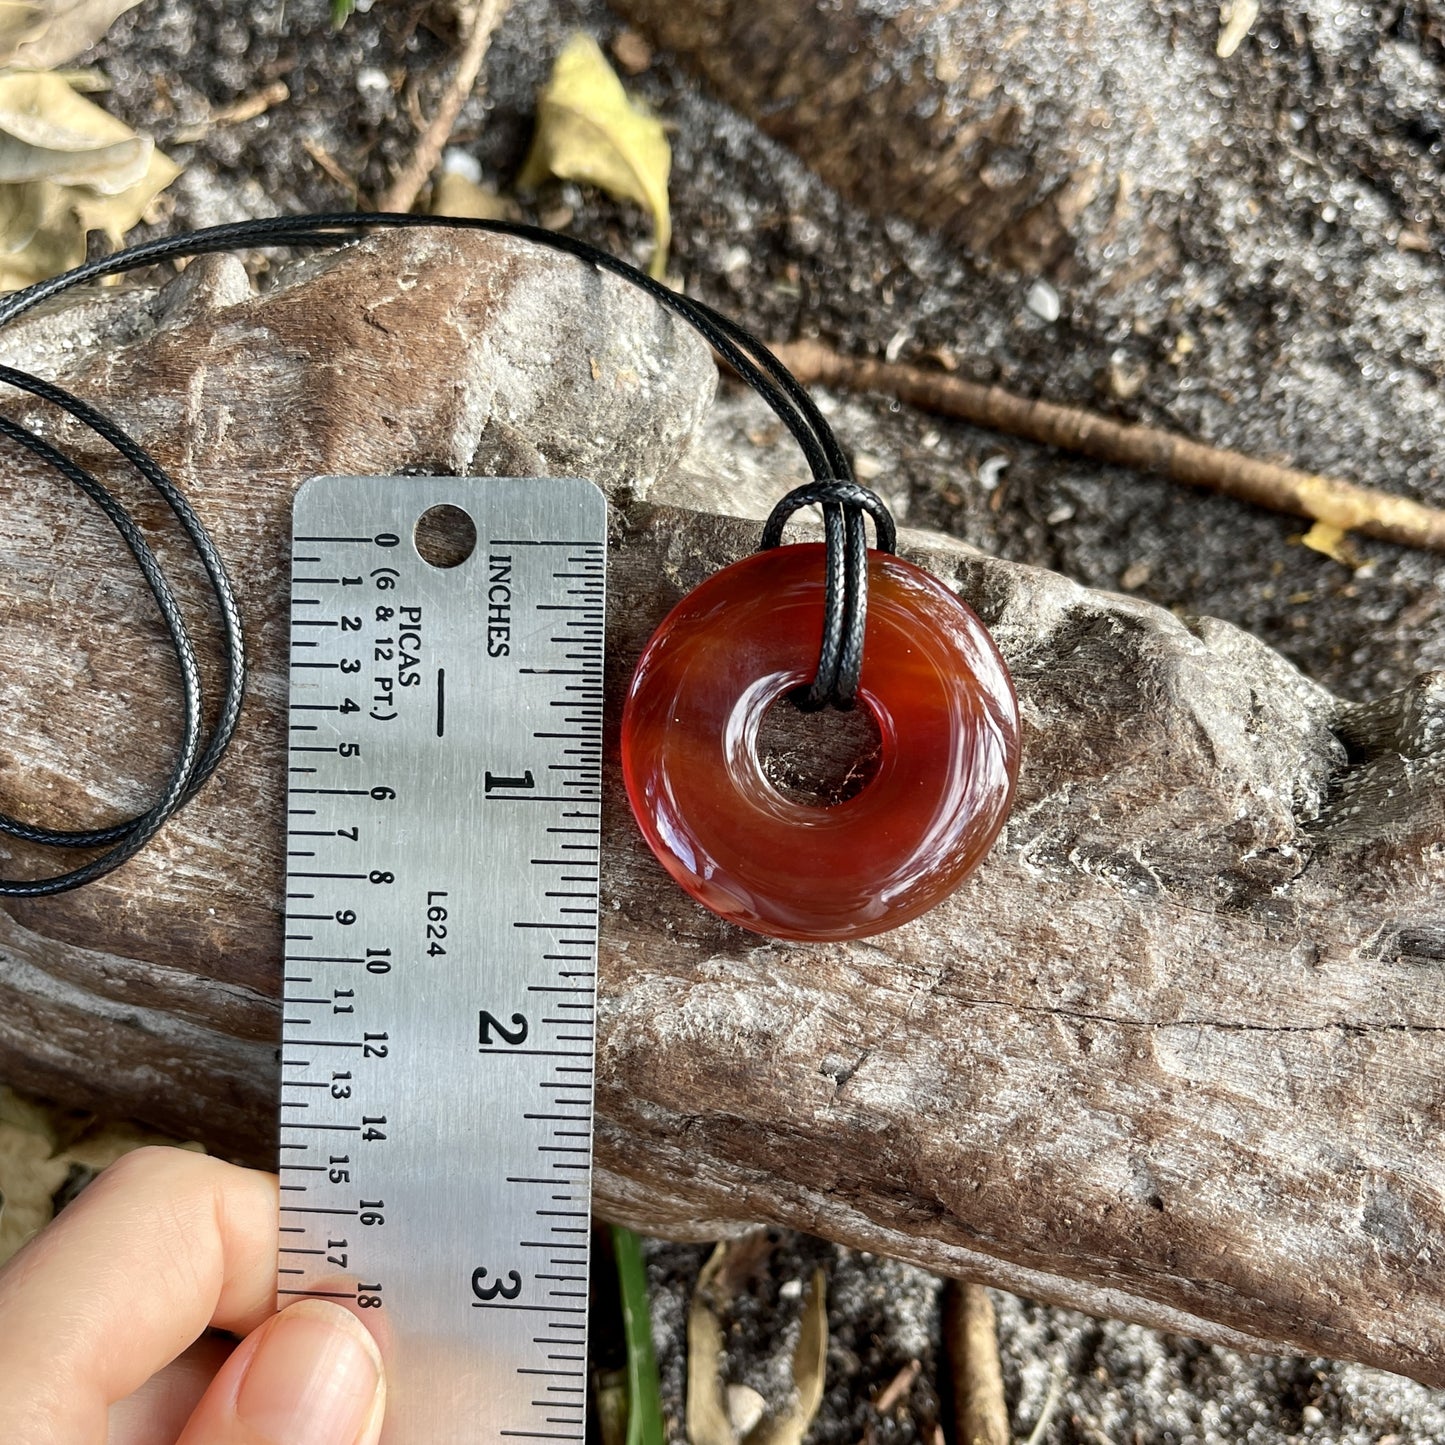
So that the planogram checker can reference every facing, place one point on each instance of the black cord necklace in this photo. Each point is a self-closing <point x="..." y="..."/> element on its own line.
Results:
<point x="845" y="506"/>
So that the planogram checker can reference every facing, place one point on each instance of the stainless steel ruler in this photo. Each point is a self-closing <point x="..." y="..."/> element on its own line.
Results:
<point x="441" y="936"/>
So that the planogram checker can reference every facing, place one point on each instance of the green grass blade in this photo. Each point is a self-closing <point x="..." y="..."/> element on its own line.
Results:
<point x="644" y="1399"/>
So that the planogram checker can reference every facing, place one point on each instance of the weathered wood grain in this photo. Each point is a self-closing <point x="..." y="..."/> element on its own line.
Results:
<point x="1173" y="1054"/>
<point x="996" y="130"/>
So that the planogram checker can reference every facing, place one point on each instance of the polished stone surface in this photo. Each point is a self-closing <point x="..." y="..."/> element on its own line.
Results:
<point x="947" y="719"/>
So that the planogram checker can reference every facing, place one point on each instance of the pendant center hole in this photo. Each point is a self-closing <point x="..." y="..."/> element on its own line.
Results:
<point x="819" y="759"/>
<point x="445" y="536"/>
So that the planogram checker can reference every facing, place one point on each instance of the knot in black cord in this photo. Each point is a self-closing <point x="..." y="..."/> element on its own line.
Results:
<point x="845" y="506"/>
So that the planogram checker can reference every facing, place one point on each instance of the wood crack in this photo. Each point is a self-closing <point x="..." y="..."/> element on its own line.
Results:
<point x="1223" y="1025"/>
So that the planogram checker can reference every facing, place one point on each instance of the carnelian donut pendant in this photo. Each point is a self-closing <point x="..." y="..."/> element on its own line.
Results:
<point x="946" y="715"/>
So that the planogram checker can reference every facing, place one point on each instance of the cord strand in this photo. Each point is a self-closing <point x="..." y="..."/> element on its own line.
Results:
<point x="124" y="840"/>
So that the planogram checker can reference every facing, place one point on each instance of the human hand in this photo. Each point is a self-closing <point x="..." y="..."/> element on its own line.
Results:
<point x="103" y="1320"/>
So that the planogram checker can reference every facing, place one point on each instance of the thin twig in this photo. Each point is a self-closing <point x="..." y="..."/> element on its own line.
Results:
<point x="898" y="1387"/>
<point x="1330" y="500"/>
<point x="331" y="167"/>
<point x="1051" y="1404"/>
<point x="401" y="195"/>
<point x="970" y="1333"/>
<point x="247" y="108"/>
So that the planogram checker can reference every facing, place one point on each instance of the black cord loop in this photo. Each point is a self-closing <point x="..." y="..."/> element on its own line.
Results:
<point x="845" y="504"/>
<point x="126" y="839"/>
<point x="845" y="598"/>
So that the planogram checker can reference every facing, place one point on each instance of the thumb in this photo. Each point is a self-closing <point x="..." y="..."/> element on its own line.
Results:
<point x="310" y="1375"/>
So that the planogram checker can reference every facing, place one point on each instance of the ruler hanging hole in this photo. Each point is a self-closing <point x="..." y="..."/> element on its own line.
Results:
<point x="445" y="536"/>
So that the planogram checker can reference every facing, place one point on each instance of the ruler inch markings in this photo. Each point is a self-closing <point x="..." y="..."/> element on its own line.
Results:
<point x="452" y="954"/>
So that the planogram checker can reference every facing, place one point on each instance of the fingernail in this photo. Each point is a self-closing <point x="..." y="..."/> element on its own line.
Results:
<point x="315" y="1380"/>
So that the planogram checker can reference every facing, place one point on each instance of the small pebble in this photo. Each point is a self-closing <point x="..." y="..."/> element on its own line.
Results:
<point x="745" y="1408"/>
<point x="1043" y="301"/>
<point x="457" y="162"/>
<point x="990" y="470"/>
<point x="1236" y="18"/>
<point x="1311" y="1416"/>
<point x="373" y="87"/>
<point x="1126" y="376"/>
<point x="631" y="52"/>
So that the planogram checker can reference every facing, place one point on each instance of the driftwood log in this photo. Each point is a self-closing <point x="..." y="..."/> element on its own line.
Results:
<point x="1017" y="137"/>
<point x="1173" y="1054"/>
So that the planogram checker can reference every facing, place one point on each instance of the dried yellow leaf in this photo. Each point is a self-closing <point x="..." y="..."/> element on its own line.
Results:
<point x="456" y="195"/>
<point x="1331" y="542"/>
<point x="48" y="132"/>
<point x="31" y="1174"/>
<point x="39" y="1147"/>
<point x="24" y="212"/>
<point x="66" y="168"/>
<point x="20" y="21"/>
<point x="41" y="34"/>
<point x="588" y="130"/>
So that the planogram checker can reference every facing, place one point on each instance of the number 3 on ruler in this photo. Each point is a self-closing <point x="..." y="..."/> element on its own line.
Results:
<point x="497" y="1289"/>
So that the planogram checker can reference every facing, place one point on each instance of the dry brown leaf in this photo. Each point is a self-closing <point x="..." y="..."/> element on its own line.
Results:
<point x="810" y="1362"/>
<point x="707" y="1409"/>
<point x="41" y="34"/>
<point x="589" y="130"/>
<point x="40" y="1145"/>
<point x="66" y="168"/>
<point x="709" y="1420"/>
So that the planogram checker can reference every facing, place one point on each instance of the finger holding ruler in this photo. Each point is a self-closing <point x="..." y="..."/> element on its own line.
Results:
<point x="442" y="895"/>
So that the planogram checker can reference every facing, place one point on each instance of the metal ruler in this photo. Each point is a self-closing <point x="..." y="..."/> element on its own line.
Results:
<point x="441" y="936"/>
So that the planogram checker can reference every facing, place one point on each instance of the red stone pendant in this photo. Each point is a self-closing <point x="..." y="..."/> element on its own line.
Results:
<point x="946" y="715"/>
